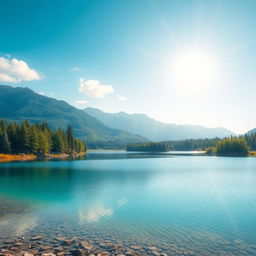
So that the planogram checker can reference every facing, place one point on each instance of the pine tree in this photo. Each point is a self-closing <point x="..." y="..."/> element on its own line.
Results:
<point x="58" y="143"/>
<point x="43" y="143"/>
<point x="71" y="139"/>
<point x="12" y="135"/>
<point x="5" y="146"/>
<point x="34" y="140"/>
<point x="24" y="138"/>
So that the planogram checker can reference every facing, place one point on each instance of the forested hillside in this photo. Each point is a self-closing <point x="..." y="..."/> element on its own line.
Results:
<point x="20" y="104"/>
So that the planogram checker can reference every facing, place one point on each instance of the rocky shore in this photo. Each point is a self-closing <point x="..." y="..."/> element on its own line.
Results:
<point x="61" y="246"/>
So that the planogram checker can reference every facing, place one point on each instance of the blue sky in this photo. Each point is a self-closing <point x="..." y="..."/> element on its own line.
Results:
<point x="184" y="62"/>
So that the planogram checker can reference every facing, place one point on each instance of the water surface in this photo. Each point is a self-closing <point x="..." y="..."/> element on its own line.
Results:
<point x="184" y="205"/>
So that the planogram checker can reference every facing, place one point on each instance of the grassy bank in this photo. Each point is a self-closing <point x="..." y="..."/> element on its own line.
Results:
<point x="19" y="157"/>
<point x="26" y="157"/>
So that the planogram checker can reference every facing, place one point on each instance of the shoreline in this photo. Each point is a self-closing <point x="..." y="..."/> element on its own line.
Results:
<point x="28" y="157"/>
<point x="39" y="245"/>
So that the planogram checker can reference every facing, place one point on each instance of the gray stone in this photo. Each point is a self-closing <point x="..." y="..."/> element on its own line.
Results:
<point x="85" y="245"/>
<point x="37" y="238"/>
<point x="135" y="247"/>
<point x="76" y="252"/>
<point x="48" y="254"/>
<point x="23" y="253"/>
<point x="152" y="248"/>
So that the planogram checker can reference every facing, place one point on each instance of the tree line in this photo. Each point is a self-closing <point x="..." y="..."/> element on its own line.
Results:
<point x="37" y="139"/>
<point x="148" y="146"/>
<point x="227" y="146"/>
<point x="179" y="145"/>
<point x="232" y="146"/>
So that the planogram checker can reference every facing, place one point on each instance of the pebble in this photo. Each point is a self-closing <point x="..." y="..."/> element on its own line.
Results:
<point x="152" y="248"/>
<point x="23" y="253"/>
<point x="135" y="247"/>
<point x="86" y="245"/>
<point x="48" y="254"/>
<point x="60" y="238"/>
<point x="37" y="238"/>
<point x="18" y="244"/>
<point x="61" y="253"/>
<point x="76" y="252"/>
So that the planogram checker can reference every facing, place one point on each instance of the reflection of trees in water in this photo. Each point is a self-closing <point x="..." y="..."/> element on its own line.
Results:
<point x="32" y="182"/>
<point x="123" y="155"/>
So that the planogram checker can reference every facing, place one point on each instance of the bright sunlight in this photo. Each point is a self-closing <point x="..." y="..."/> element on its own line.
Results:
<point x="194" y="69"/>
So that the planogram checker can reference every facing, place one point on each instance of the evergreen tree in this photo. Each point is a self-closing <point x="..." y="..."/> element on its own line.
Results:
<point x="58" y="142"/>
<point x="34" y="140"/>
<point x="37" y="139"/>
<point x="12" y="135"/>
<point x="5" y="146"/>
<point x="43" y="143"/>
<point x="71" y="139"/>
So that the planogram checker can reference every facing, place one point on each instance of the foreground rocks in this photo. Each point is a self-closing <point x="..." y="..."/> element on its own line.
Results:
<point x="61" y="246"/>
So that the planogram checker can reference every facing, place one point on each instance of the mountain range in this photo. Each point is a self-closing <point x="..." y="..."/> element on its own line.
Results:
<point x="97" y="128"/>
<point x="19" y="103"/>
<point x="155" y="130"/>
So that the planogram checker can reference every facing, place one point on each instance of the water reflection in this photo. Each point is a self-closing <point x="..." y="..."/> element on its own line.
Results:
<point x="179" y="200"/>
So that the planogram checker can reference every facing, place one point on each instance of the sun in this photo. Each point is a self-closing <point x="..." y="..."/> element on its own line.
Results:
<point x="194" y="69"/>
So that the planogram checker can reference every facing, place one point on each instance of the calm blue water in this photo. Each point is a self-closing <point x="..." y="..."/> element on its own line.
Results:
<point x="195" y="203"/>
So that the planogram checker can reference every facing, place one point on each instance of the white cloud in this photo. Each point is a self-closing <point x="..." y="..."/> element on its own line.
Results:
<point x="80" y="101"/>
<point x="94" y="89"/>
<point x="75" y="69"/>
<point x="121" y="98"/>
<point x="14" y="71"/>
<point x="42" y="93"/>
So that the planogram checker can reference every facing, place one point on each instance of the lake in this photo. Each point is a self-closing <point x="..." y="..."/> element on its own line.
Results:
<point x="181" y="204"/>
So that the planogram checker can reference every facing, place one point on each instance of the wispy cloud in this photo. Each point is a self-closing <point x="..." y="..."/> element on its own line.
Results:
<point x="75" y="69"/>
<point x="80" y="101"/>
<point x="121" y="98"/>
<point x="15" y="71"/>
<point x="94" y="89"/>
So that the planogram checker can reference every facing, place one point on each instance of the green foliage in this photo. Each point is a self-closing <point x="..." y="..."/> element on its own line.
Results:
<point x="232" y="146"/>
<point x="148" y="147"/>
<point x="210" y="151"/>
<point x="5" y="145"/>
<point x="251" y="140"/>
<point x="180" y="145"/>
<point x="37" y="139"/>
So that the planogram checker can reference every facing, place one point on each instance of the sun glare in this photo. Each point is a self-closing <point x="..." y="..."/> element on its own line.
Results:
<point x="194" y="69"/>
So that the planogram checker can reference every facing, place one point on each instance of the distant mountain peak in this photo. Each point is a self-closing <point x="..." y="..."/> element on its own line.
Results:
<point x="154" y="130"/>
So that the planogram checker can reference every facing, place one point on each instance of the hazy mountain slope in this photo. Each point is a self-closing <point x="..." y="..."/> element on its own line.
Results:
<point x="155" y="130"/>
<point x="251" y="131"/>
<point x="22" y="103"/>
